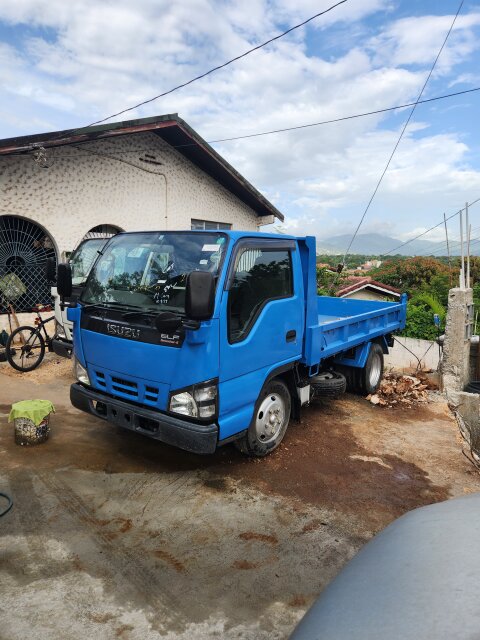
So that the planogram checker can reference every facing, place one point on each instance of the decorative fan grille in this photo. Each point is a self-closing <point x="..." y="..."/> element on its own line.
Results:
<point x="102" y="231"/>
<point x="24" y="249"/>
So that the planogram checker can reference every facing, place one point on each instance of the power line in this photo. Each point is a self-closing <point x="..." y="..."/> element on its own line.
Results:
<point x="441" y="246"/>
<point x="356" y="115"/>
<point x="401" y="133"/>
<point x="266" y="133"/>
<point x="218" y="67"/>
<point x="386" y="253"/>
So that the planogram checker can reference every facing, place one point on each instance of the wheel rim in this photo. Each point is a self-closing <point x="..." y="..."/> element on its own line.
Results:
<point x="270" y="418"/>
<point x="375" y="370"/>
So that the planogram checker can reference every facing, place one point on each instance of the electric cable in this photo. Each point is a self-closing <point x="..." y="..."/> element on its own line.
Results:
<point x="401" y="134"/>
<point x="351" y="117"/>
<point x="9" y="505"/>
<point x="217" y="68"/>
<point x="270" y="132"/>
<point x="386" y="253"/>
<point x="441" y="247"/>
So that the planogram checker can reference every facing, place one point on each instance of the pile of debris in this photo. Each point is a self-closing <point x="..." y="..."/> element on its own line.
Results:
<point x="400" y="390"/>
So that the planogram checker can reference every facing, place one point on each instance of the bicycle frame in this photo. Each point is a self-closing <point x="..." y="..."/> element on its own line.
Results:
<point x="40" y="326"/>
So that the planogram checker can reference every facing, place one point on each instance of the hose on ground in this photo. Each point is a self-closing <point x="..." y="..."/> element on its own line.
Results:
<point x="9" y="505"/>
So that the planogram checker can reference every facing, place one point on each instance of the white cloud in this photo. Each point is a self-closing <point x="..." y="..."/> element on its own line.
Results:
<point x="89" y="58"/>
<point x="417" y="40"/>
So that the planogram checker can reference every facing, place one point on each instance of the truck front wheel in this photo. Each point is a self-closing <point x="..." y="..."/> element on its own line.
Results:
<point x="371" y="375"/>
<point x="270" y="421"/>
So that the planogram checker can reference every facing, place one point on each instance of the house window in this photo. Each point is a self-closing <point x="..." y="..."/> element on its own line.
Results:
<point x="209" y="224"/>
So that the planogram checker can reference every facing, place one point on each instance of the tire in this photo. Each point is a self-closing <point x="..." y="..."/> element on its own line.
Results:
<point x="264" y="434"/>
<point x="25" y="349"/>
<point x="329" y="384"/>
<point x="371" y="375"/>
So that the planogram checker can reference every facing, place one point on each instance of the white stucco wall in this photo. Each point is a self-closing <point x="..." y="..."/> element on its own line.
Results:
<point x="81" y="190"/>
<point x="401" y="358"/>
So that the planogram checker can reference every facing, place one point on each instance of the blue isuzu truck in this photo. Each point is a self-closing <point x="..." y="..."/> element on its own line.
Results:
<point x="200" y="338"/>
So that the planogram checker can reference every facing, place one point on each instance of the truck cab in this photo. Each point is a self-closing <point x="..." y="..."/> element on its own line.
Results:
<point x="199" y="338"/>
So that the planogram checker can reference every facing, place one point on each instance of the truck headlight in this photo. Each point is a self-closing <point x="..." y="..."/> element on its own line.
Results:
<point x="197" y="401"/>
<point x="59" y="330"/>
<point x="80" y="372"/>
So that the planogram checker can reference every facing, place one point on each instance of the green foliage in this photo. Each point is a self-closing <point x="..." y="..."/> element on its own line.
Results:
<point x="414" y="274"/>
<point x="426" y="279"/>
<point x="420" y="311"/>
<point x="430" y="303"/>
<point x="328" y="282"/>
<point x="419" y="323"/>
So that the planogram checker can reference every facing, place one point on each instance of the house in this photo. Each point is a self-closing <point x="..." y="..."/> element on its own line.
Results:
<point x="366" y="288"/>
<point x="153" y="173"/>
<point x="370" y="264"/>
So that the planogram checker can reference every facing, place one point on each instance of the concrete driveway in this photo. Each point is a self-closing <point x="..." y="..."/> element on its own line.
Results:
<point x="113" y="535"/>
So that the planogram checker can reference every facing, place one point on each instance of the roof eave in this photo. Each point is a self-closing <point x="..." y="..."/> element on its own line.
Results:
<point x="156" y="124"/>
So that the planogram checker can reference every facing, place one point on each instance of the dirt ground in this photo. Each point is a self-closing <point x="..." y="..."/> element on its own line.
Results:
<point x="113" y="535"/>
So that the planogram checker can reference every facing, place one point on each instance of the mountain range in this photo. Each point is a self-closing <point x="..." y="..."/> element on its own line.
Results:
<point x="376" y="244"/>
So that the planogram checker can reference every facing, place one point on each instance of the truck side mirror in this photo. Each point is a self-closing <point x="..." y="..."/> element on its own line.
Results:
<point x="50" y="270"/>
<point x="200" y="295"/>
<point x="64" y="280"/>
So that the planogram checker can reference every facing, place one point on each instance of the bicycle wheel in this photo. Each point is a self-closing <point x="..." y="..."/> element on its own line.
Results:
<point x="25" y="348"/>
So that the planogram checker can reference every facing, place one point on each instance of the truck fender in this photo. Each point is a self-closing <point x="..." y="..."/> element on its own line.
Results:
<point x="384" y="342"/>
<point x="286" y="373"/>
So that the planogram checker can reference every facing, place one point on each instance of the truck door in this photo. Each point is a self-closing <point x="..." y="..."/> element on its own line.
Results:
<point x="261" y="326"/>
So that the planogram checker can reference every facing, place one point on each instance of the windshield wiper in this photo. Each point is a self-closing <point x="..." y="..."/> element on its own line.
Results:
<point x="93" y="305"/>
<point x="151" y="312"/>
<point x="107" y="305"/>
<point x="139" y="312"/>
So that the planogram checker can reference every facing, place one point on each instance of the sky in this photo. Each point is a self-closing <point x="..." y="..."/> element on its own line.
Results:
<point x="67" y="64"/>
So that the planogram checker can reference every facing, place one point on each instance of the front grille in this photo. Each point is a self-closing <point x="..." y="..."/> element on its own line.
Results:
<point x="127" y="388"/>
<point x="151" y="395"/>
<point x="120" y="385"/>
<point x="100" y="379"/>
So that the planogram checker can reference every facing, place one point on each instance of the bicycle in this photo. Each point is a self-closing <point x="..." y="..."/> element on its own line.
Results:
<point x="26" y="345"/>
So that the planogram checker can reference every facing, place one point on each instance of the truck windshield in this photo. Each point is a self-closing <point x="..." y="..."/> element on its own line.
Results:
<point x="149" y="270"/>
<point x="83" y="257"/>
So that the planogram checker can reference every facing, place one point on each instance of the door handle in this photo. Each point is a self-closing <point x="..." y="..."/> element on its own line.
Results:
<point x="291" y="335"/>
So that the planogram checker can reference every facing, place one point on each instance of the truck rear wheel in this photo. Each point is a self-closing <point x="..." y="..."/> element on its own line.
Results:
<point x="270" y="421"/>
<point x="371" y="375"/>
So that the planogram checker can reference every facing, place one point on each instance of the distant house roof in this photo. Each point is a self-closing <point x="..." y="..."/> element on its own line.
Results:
<point x="357" y="283"/>
<point x="175" y="132"/>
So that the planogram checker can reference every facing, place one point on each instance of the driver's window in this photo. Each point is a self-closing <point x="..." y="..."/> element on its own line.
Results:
<point x="260" y="275"/>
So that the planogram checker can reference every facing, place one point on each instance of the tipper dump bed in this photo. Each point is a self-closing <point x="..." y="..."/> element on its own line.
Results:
<point x="344" y="323"/>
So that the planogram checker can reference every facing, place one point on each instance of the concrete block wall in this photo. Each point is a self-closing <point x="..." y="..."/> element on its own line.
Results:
<point x="457" y="367"/>
<point x="456" y="347"/>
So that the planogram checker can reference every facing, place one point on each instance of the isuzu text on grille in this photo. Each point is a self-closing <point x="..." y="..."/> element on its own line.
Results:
<point x="124" y="332"/>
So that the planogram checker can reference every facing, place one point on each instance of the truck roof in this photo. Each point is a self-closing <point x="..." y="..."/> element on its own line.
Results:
<point x="235" y="235"/>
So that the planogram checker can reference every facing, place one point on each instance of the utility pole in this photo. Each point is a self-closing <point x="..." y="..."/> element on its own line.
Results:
<point x="467" y="233"/>
<point x="448" y="247"/>
<point x="462" y="265"/>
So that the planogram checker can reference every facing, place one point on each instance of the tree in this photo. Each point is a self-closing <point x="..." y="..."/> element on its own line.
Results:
<point x="415" y="274"/>
<point x="328" y="281"/>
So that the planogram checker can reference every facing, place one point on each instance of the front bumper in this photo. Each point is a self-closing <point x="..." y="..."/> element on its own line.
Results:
<point x="154" y="424"/>
<point x="62" y="348"/>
